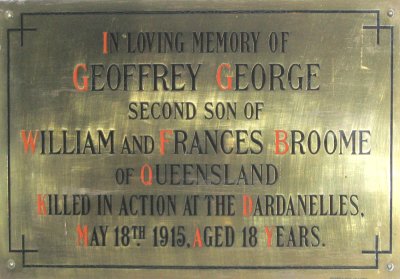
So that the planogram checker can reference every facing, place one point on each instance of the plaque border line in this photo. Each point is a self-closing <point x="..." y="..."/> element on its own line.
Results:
<point x="376" y="252"/>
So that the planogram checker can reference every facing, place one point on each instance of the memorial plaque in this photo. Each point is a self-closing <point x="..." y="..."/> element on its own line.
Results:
<point x="182" y="139"/>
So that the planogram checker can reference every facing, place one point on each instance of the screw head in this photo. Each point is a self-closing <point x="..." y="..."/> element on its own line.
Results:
<point x="390" y="13"/>
<point x="390" y="266"/>
<point x="9" y="14"/>
<point x="11" y="264"/>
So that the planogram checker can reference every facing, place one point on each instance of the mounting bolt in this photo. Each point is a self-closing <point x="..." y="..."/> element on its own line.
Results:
<point x="390" y="267"/>
<point x="11" y="264"/>
<point x="390" y="13"/>
<point x="9" y="14"/>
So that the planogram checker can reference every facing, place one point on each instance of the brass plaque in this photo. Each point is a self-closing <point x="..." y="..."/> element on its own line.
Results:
<point x="200" y="139"/>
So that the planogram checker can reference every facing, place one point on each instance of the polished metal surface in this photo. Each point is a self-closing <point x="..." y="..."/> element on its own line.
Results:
<point x="192" y="139"/>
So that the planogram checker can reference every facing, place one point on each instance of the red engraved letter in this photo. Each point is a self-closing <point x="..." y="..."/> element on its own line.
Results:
<point x="163" y="140"/>
<point x="29" y="142"/>
<point x="279" y="140"/>
<point x="149" y="180"/>
<point x="41" y="205"/>
<point x="268" y="233"/>
<point x="197" y="239"/>
<point x="105" y="45"/>
<point x="247" y="205"/>
<point x="227" y="86"/>
<point x="82" y="235"/>
<point x="85" y="79"/>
